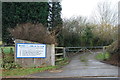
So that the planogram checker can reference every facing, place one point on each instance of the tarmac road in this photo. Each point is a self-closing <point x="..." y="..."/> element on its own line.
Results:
<point x="78" y="68"/>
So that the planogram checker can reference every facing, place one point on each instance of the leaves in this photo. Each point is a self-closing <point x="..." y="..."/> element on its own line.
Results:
<point x="22" y="12"/>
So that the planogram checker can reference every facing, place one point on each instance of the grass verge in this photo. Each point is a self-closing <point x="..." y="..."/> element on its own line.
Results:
<point x="26" y="71"/>
<point x="103" y="56"/>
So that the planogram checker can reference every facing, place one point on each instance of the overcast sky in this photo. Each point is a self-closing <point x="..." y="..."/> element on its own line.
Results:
<point x="80" y="7"/>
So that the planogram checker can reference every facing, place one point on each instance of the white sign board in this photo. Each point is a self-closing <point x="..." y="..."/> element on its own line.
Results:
<point x="28" y="50"/>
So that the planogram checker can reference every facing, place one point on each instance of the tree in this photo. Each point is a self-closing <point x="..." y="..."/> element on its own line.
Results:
<point x="88" y="35"/>
<point x="77" y="32"/>
<point x="55" y="20"/>
<point x="105" y="19"/>
<point x="55" y="14"/>
<point x="105" y="13"/>
<point x="47" y="13"/>
<point x="14" y="13"/>
<point x="33" y="32"/>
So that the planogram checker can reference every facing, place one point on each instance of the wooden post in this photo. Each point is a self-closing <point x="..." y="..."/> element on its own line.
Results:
<point x="52" y="55"/>
<point x="15" y="52"/>
<point x="104" y="49"/>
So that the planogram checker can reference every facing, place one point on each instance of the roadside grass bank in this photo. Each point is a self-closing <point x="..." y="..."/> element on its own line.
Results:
<point x="114" y="50"/>
<point x="114" y="59"/>
<point x="10" y="68"/>
<point x="102" y="56"/>
<point x="28" y="71"/>
<point x="108" y="58"/>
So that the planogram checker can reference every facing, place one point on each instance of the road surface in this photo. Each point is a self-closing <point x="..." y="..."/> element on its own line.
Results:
<point x="81" y="66"/>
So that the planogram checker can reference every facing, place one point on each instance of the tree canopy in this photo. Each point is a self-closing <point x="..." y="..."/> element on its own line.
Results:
<point x="34" y="12"/>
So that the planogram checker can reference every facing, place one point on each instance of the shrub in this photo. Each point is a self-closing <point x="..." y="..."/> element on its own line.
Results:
<point x="9" y="66"/>
<point x="33" y="32"/>
<point x="113" y="48"/>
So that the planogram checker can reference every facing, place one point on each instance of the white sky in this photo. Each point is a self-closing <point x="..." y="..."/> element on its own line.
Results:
<point x="80" y="7"/>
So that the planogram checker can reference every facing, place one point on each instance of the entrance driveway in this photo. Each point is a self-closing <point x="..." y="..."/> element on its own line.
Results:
<point x="81" y="65"/>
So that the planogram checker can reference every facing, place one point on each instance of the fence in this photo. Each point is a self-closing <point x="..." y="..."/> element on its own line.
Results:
<point x="54" y="54"/>
<point x="59" y="53"/>
<point x="71" y="51"/>
<point x="78" y="49"/>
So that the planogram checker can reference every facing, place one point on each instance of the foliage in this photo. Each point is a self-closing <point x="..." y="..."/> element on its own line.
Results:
<point x="7" y="61"/>
<point x="55" y="15"/>
<point x="9" y="66"/>
<point x="105" y="13"/>
<point x="22" y="12"/>
<point x="71" y="36"/>
<point x="79" y="32"/>
<point x="55" y="20"/>
<point x="33" y="32"/>
<point x="87" y="37"/>
<point x="7" y="50"/>
<point x="113" y="48"/>
<point x="46" y="13"/>
<point x="71" y="39"/>
<point x="8" y="58"/>
<point x="103" y="56"/>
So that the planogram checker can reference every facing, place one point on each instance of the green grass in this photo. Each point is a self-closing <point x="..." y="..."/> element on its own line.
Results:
<point x="26" y="71"/>
<point x="6" y="50"/>
<point x="102" y="56"/>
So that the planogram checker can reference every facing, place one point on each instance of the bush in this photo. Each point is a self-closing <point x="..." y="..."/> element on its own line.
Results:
<point x="33" y="32"/>
<point x="113" y="48"/>
<point x="9" y="66"/>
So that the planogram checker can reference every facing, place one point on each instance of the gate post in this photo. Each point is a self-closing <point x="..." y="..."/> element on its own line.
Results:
<point x="53" y="55"/>
<point x="64" y="52"/>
